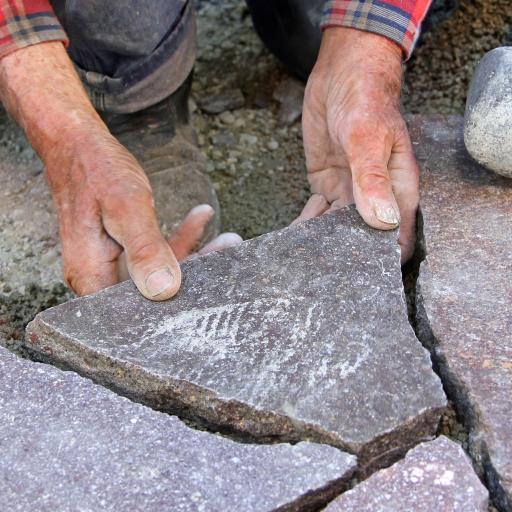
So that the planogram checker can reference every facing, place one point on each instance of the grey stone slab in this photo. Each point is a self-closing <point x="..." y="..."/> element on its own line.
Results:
<point x="298" y="334"/>
<point x="67" y="444"/>
<point x="488" y="117"/>
<point x="465" y="290"/>
<point x="434" y="476"/>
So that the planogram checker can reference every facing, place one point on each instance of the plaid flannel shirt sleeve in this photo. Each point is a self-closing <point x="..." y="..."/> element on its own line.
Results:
<point x="398" y="20"/>
<point x="27" y="22"/>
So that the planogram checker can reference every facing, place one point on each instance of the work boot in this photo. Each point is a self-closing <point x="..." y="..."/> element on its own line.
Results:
<point x="165" y="144"/>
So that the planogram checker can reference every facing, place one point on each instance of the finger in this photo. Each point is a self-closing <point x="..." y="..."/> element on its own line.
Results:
<point x="373" y="191"/>
<point x="190" y="232"/>
<point x="315" y="206"/>
<point x="404" y="172"/>
<point x="130" y="219"/>
<point x="337" y="205"/>
<point x="223" y="241"/>
<point x="89" y="260"/>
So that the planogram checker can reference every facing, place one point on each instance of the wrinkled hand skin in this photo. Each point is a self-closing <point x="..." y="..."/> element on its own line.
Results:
<point x="356" y="142"/>
<point x="105" y="205"/>
<point x="103" y="198"/>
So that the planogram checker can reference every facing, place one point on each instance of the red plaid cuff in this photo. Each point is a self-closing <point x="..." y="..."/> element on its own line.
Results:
<point x="398" y="20"/>
<point x="27" y="22"/>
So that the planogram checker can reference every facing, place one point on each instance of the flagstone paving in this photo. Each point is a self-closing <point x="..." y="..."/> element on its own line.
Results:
<point x="434" y="476"/>
<point x="465" y="291"/>
<point x="298" y="334"/>
<point x="67" y="444"/>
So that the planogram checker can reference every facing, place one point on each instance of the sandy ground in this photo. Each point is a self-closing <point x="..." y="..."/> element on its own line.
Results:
<point x="256" y="163"/>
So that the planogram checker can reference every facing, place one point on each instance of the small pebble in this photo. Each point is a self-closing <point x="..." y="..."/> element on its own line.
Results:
<point x="273" y="145"/>
<point x="227" y="117"/>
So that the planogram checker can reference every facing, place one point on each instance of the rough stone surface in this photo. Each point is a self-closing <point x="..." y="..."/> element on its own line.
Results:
<point x="299" y="334"/>
<point x="434" y="476"/>
<point x="488" y="118"/>
<point x="29" y="244"/>
<point x="67" y="444"/>
<point x="465" y="290"/>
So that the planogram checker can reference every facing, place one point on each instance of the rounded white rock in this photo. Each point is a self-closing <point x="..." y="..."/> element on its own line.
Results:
<point x="488" y="117"/>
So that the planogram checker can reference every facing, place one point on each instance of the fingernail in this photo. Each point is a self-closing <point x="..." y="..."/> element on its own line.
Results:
<point x="202" y="208"/>
<point x="159" y="281"/>
<point x="386" y="213"/>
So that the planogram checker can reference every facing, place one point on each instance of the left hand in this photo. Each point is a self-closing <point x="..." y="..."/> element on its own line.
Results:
<point x="355" y="139"/>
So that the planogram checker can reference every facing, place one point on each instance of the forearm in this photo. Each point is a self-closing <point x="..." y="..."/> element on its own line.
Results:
<point x="43" y="93"/>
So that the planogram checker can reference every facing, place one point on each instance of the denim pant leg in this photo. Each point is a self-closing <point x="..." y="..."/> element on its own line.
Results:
<point x="291" y="30"/>
<point x="130" y="54"/>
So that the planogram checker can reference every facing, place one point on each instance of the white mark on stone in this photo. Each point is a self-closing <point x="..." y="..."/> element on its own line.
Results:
<point x="200" y="328"/>
<point x="416" y="475"/>
<point x="445" y="479"/>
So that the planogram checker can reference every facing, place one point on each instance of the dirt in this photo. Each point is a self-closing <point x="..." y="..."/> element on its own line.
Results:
<point x="438" y="75"/>
<point x="256" y="165"/>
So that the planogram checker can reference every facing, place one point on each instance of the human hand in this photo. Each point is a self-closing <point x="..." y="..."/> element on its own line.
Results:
<point x="103" y="197"/>
<point x="356" y="142"/>
<point x="108" y="225"/>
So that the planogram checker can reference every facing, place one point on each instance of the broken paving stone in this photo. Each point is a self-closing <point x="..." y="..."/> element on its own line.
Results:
<point x="433" y="476"/>
<point x="465" y="290"/>
<point x="298" y="334"/>
<point x="488" y="117"/>
<point x="219" y="103"/>
<point x="68" y="444"/>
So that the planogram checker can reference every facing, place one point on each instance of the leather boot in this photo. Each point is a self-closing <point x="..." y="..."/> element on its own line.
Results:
<point x="165" y="144"/>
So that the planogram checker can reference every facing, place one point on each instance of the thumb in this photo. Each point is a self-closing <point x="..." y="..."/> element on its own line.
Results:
<point x="151" y="263"/>
<point x="372" y="187"/>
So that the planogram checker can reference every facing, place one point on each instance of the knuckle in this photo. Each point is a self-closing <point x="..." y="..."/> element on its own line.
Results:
<point x="142" y="248"/>
<point x="74" y="279"/>
<point x="362" y="132"/>
<point x="372" y="179"/>
<point x="125" y="197"/>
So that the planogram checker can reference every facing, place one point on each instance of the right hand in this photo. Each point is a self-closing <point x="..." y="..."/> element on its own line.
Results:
<point x="102" y="195"/>
<point x="107" y="219"/>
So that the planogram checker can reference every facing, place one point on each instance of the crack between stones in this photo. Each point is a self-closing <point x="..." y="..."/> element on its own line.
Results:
<point x="203" y="409"/>
<point x="311" y="501"/>
<point x="462" y="416"/>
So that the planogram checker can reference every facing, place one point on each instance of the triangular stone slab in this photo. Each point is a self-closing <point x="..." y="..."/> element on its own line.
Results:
<point x="465" y="290"/>
<point x="299" y="334"/>
<point x="67" y="444"/>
